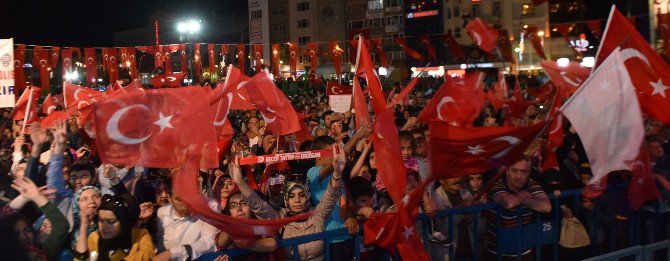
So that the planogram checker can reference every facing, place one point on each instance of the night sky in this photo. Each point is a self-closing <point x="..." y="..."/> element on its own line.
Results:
<point x="92" y="23"/>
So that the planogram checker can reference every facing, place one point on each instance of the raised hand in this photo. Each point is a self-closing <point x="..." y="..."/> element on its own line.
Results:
<point x="29" y="190"/>
<point x="146" y="210"/>
<point x="60" y="132"/>
<point x="18" y="143"/>
<point x="235" y="171"/>
<point x="339" y="161"/>
<point x="38" y="135"/>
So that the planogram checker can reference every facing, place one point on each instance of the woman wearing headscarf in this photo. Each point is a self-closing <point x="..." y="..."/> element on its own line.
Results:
<point x="116" y="238"/>
<point x="84" y="205"/>
<point x="296" y="197"/>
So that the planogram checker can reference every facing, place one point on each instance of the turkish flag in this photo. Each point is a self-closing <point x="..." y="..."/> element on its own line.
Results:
<point x="457" y="102"/>
<point x="594" y="27"/>
<point x="50" y="120"/>
<point x="535" y="41"/>
<point x="549" y="159"/>
<point x="567" y="79"/>
<point x="505" y="46"/>
<point x="53" y="60"/>
<point x="49" y="104"/>
<point x="429" y="47"/>
<point x="168" y="80"/>
<point x="273" y="105"/>
<point x="184" y="62"/>
<point x="360" y="105"/>
<point x="27" y="105"/>
<point x="211" y="51"/>
<point x="197" y="61"/>
<point x="542" y="92"/>
<point x="41" y="61"/>
<point x="225" y="50"/>
<point x="379" y="48"/>
<point x="457" y="53"/>
<point x="555" y="134"/>
<point x="387" y="146"/>
<point x="405" y="91"/>
<point x="293" y="54"/>
<point x="241" y="53"/>
<point x="276" y="61"/>
<point x="91" y="65"/>
<point x="19" y="70"/>
<point x="160" y="128"/>
<point x="649" y="73"/>
<point x="409" y="51"/>
<point x="77" y="97"/>
<point x="112" y="63"/>
<point x="222" y="98"/>
<point x="336" y="55"/>
<point x="460" y="151"/>
<point x="66" y="60"/>
<point x="365" y="66"/>
<point x="312" y="52"/>
<point x="258" y="57"/>
<point x="483" y="34"/>
<point x="234" y="80"/>
<point x="642" y="186"/>
<point x="333" y="88"/>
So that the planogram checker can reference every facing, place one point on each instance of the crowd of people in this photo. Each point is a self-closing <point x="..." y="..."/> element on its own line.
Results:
<point x="62" y="203"/>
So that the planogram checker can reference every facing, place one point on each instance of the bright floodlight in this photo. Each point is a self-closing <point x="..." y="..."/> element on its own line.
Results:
<point x="563" y="62"/>
<point x="181" y="27"/>
<point x="193" y="26"/>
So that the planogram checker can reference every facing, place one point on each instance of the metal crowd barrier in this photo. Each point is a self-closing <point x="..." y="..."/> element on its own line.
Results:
<point x="542" y="235"/>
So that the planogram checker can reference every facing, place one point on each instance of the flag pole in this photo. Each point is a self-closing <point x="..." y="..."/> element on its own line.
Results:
<point x="27" y="115"/>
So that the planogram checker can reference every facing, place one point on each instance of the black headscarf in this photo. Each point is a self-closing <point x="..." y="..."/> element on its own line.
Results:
<point x="126" y="216"/>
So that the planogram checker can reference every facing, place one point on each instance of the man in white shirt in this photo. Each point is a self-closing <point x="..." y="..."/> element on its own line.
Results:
<point x="180" y="235"/>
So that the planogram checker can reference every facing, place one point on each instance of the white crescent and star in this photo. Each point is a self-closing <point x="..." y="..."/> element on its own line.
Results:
<point x="229" y="96"/>
<point x="113" y="126"/>
<point x="511" y="140"/>
<point x="476" y="150"/>
<point x="559" y="124"/>
<point x="408" y="231"/>
<point x="266" y="119"/>
<point x="444" y="100"/>
<point x="164" y="122"/>
<point x="477" y="37"/>
<point x="632" y="52"/>
<point x="659" y="88"/>
<point x="570" y="81"/>
<point x="336" y="90"/>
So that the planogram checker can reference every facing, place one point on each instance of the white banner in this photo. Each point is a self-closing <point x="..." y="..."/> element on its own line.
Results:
<point x="340" y="103"/>
<point x="6" y="73"/>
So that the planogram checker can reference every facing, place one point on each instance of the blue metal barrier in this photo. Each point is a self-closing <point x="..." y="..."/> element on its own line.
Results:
<point x="540" y="233"/>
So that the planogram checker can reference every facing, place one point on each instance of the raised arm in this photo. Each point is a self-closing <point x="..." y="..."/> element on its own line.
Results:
<point x="258" y="206"/>
<point x="55" y="171"/>
<point x="363" y="132"/>
<point x="329" y="199"/>
<point x="361" y="159"/>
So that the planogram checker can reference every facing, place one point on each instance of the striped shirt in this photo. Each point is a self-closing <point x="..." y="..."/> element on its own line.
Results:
<point x="508" y="217"/>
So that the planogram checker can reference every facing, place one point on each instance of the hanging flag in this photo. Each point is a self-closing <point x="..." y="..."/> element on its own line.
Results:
<point x="41" y="61"/>
<point x="425" y="40"/>
<point x="313" y="50"/>
<point x="274" y="107"/>
<point x="184" y="62"/>
<point x="53" y="60"/>
<point x="409" y="51"/>
<point x="66" y="60"/>
<point x="379" y="48"/>
<point x="258" y="57"/>
<point x="112" y="64"/>
<point x="387" y="146"/>
<point x="276" y="61"/>
<point x="197" y="62"/>
<point x="159" y="128"/>
<point x="607" y="117"/>
<point x="482" y="34"/>
<point x="211" y="52"/>
<point x="649" y="72"/>
<point x="365" y="66"/>
<point x="536" y="41"/>
<point x="360" y="105"/>
<point x="91" y="65"/>
<point x="460" y="151"/>
<point x="132" y="63"/>
<point x="19" y="70"/>
<point x="594" y="27"/>
<point x="457" y="53"/>
<point x="642" y="186"/>
<point x="225" y="50"/>
<point x="457" y="102"/>
<point x="566" y="78"/>
<point x="241" y="55"/>
<point x="336" y="54"/>
<point x="505" y="46"/>
<point x="293" y="58"/>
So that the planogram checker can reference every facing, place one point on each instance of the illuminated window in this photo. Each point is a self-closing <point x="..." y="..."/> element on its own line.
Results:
<point x="375" y="5"/>
<point x="527" y="9"/>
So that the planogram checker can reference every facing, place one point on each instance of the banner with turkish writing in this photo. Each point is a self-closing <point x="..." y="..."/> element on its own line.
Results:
<point x="339" y="97"/>
<point x="272" y="158"/>
<point x="7" y="68"/>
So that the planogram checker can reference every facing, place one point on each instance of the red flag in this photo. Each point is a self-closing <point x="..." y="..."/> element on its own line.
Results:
<point x="241" y="53"/>
<point x="360" y="105"/>
<point x="225" y="137"/>
<point x="133" y="66"/>
<point x="333" y="88"/>
<point x="77" y="97"/>
<point x="49" y="104"/>
<point x="50" y="120"/>
<point x="483" y="34"/>
<point x="313" y="50"/>
<point x="594" y="26"/>
<point x="184" y="62"/>
<point x="112" y="64"/>
<point x="409" y="51"/>
<point x="66" y="60"/>
<point x="535" y="41"/>
<point x="225" y="50"/>
<point x="494" y="99"/>
<point x="541" y="93"/>
<point x="642" y="186"/>
<point x="91" y="65"/>
<point x="160" y="128"/>
<point x="505" y="46"/>
<point x="293" y="57"/>
<point x="336" y="55"/>
<point x="276" y="61"/>
<point x="365" y="66"/>
<point x="403" y="94"/>
<point x="159" y="59"/>
<point x="664" y="28"/>
<point x="567" y="79"/>
<point x="234" y="80"/>
<point x="53" y="60"/>
<point x="457" y="102"/>
<point x="649" y="73"/>
<point x="273" y="105"/>
<point x="168" y="80"/>
<point x="258" y="57"/>
<point x="41" y="61"/>
<point x="549" y="160"/>
<point x="379" y="47"/>
<point x="429" y="47"/>
<point x="457" y="53"/>
<point x="197" y="61"/>
<point x="211" y="51"/>
<point x="19" y="70"/>
<point x="555" y="134"/>
<point x="27" y="105"/>
<point x="460" y="151"/>
<point x="387" y="147"/>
